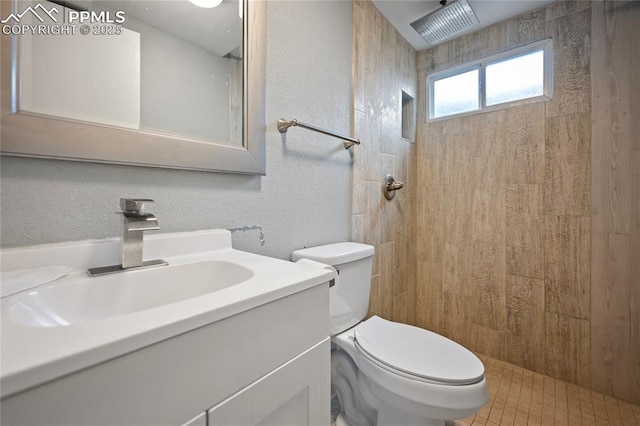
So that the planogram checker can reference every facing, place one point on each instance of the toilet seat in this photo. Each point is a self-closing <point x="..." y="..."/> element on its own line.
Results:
<point x="416" y="353"/>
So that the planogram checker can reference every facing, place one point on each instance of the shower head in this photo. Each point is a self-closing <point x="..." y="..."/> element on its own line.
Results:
<point x="450" y="19"/>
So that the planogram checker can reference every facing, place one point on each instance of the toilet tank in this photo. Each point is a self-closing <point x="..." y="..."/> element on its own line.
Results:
<point x="349" y="298"/>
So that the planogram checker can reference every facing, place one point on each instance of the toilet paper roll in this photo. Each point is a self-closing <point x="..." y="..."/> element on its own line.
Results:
<point x="334" y="281"/>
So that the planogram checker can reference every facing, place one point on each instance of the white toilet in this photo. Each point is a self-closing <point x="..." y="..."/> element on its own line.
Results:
<point x="388" y="373"/>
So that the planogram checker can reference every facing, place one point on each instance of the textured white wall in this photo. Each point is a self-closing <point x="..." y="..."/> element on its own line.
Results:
<point x="304" y="200"/>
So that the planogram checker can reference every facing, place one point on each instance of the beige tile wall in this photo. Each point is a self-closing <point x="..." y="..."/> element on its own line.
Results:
<point x="503" y="207"/>
<point x="384" y="64"/>
<point x="615" y="199"/>
<point x="518" y="233"/>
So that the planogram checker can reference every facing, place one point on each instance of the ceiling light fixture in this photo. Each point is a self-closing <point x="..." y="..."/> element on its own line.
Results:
<point x="207" y="4"/>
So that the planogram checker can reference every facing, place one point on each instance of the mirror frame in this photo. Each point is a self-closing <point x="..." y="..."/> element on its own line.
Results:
<point x="32" y="135"/>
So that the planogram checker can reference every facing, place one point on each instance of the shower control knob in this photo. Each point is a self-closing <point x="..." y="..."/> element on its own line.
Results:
<point x="390" y="186"/>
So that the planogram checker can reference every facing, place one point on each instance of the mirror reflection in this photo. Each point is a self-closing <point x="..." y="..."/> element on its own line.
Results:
<point x="171" y="67"/>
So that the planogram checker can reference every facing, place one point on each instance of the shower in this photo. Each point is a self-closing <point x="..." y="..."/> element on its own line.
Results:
<point x="452" y="18"/>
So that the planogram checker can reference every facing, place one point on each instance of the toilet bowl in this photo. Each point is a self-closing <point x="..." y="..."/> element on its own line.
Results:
<point x="387" y="373"/>
<point x="413" y="376"/>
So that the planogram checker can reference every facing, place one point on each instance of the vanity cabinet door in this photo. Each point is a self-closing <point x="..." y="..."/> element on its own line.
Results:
<point x="199" y="420"/>
<point x="296" y="393"/>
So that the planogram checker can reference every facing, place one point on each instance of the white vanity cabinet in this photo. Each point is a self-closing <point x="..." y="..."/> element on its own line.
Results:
<point x="288" y="395"/>
<point x="266" y="365"/>
<point x="199" y="420"/>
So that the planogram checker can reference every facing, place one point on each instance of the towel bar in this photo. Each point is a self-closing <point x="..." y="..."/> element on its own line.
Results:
<point x="283" y="125"/>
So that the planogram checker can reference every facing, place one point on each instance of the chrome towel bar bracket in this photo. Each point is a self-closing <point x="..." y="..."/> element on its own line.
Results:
<point x="283" y="126"/>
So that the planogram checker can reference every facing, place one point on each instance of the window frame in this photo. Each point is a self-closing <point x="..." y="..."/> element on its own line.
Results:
<point x="546" y="45"/>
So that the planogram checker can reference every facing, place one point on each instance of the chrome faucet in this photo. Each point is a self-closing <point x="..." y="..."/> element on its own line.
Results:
<point x="134" y="222"/>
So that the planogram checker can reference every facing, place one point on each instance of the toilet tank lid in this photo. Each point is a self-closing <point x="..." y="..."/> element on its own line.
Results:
<point x="334" y="254"/>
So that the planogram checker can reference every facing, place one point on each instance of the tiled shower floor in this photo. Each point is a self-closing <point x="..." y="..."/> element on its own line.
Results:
<point x="521" y="397"/>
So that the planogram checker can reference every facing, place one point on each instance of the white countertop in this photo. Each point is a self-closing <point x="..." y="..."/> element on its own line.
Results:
<point x="33" y="355"/>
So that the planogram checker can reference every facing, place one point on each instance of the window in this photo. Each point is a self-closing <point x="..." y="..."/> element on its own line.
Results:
<point x="456" y="94"/>
<point x="516" y="78"/>
<point x="524" y="74"/>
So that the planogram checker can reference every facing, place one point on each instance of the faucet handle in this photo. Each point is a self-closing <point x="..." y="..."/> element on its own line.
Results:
<point x="133" y="205"/>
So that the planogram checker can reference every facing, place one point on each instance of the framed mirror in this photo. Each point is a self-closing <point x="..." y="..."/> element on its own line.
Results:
<point x="170" y="83"/>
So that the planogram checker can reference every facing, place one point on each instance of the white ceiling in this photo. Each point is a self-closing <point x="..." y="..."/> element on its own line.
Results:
<point x="401" y="13"/>
<point x="218" y="30"/>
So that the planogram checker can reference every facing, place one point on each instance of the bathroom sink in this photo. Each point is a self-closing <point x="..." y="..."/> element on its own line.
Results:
<point x="79" y="298"/>
<point x="78" y="321"/>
